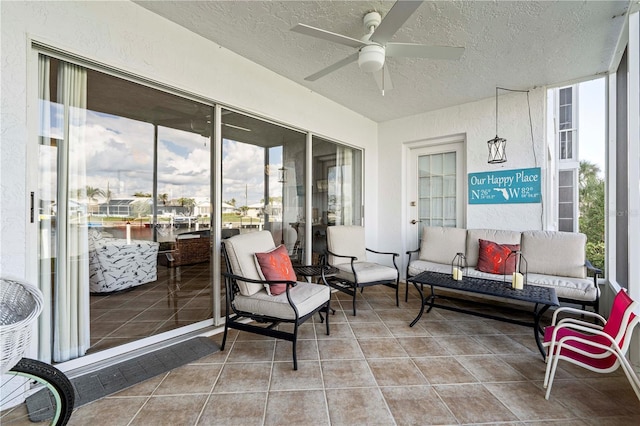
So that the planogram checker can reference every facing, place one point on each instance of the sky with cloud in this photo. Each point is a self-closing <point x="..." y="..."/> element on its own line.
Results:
<point x="118" y="156"/>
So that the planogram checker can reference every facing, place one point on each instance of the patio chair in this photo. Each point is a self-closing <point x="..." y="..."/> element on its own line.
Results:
<point x="261" y="286"/>
<point x="347" y="252"/>
<point x="599" y="348"/>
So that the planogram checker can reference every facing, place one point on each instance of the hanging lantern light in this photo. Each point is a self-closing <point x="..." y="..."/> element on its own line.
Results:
<point x="497" y="146"/>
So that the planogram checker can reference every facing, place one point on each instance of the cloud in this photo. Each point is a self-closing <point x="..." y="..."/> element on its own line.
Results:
<point x="118" y="154"/>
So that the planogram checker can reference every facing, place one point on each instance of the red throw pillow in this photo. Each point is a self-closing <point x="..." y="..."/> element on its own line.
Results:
<point x="492" y="257"/>
<point x="276" y="266"/>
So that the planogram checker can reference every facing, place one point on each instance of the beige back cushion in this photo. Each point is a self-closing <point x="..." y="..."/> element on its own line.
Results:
<point x="555" y="253"/>
<point x="346" y="241"/>
<point x="440" y="244"/>
<point x="496" y="235"/>
<point x="241" y="250"/>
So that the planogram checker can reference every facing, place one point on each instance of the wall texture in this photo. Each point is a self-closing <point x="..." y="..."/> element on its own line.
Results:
<point x="475" y="122"/>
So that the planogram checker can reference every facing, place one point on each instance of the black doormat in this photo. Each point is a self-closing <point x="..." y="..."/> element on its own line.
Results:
<point x="114" y="378"/>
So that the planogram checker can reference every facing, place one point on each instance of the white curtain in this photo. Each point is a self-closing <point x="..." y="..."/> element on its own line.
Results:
<point x="71" y="287"/>
<point x="344" y="186"/>
<point x="46" y="197"/>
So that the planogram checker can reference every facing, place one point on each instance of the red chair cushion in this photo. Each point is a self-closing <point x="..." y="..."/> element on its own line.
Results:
<point x="492" y="257"/>
<point x="276" y="266"/>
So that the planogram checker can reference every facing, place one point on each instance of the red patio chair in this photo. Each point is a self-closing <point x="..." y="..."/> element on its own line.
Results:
<point x="599" y="348"/>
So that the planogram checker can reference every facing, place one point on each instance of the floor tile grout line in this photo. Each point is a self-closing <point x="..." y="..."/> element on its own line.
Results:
<point x="206" y="401"/>
<point x="148" y="398"/>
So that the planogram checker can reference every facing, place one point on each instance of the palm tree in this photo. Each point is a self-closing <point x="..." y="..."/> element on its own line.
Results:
<point x="189" y="203"/>
<point x="164" y="198"/>
<point x="93" y="194"/>
<point x="592" y="211"/>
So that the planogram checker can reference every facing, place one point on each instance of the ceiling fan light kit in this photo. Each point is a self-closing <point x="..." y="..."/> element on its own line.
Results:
<point x="371" y="58"/>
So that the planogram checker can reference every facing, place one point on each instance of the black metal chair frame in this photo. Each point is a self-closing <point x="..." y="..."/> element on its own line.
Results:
<point x="351" y="287"/>
<point x="235" y="317"/>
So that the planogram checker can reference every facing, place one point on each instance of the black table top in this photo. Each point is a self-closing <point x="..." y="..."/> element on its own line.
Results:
<point x="314" y="270"/>
<point x="530" y="293"/>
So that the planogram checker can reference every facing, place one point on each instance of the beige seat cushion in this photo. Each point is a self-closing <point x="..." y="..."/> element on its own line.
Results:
<point x="305" y="296"/>
<point x="440" y="244"/>
<point x="241" y="251"/>
<point x="367" y="272"/>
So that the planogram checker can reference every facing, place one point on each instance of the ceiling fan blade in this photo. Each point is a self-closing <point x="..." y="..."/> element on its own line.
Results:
<point x="331" y="68"/>
<point x="383" y="79"/>
<point x="328" y="35"/>
<point x="394" y="19"/>
<point x="412" y="50"/>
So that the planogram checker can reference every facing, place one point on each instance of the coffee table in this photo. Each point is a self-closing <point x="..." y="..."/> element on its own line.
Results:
<point x="542" y="298"/>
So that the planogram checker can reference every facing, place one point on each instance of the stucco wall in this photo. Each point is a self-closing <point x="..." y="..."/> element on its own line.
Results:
<point x="476" y="123"/>
<point x="127" y="37"/>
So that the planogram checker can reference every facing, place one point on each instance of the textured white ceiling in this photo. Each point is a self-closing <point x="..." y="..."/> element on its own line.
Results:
<point x="513" y="44"/>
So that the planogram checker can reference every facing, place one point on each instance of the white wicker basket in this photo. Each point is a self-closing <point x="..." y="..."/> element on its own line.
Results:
<point x="20" y="305"/>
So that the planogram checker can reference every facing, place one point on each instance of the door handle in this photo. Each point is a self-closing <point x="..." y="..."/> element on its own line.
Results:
<point x="413" y="222"/>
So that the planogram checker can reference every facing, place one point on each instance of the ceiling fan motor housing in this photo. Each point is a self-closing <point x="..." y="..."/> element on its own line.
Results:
<point x="371" y="19"/>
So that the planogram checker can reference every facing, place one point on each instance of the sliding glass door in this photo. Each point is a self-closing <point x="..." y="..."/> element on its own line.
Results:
<point x="125" y="205"/>
<point x="124" y="210"/>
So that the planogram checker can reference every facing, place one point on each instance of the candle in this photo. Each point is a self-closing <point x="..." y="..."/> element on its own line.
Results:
<point x="128" y="233"/>
<point x="517" y="282"/>
<point x="457" y="273"/>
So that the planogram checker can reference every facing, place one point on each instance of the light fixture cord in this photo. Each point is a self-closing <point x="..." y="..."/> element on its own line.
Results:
<point x="533" y="148"/>
<point x="530" y="120"/>
<point x="496" y="111"/>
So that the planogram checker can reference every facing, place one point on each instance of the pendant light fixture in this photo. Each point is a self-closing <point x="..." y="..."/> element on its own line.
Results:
<point x="497" y="146"/>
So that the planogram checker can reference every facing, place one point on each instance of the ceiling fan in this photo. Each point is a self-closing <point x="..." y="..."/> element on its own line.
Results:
<point x="374" y="47"/>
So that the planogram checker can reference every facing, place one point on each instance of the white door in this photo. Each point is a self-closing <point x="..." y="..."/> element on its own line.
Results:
<point x="436" y="188"/>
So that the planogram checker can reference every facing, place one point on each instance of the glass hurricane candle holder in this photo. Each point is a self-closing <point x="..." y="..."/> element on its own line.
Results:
<point x="458" y="266"/>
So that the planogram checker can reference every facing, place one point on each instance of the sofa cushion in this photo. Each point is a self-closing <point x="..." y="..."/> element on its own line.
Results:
<point x="567" y="287"/>
<point x="498" y="235"/>
<point x="275" y="265"/>
<point x="440" y="244"/>
<point x="418" y="266"/>
<point x="496" y="258"/>
<point x="555" y="253"/>
<point x="240" y="251"/>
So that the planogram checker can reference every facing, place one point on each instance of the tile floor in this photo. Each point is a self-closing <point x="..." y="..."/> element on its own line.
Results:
<point x="374" y="369"/>
<point x="180" y="296"/>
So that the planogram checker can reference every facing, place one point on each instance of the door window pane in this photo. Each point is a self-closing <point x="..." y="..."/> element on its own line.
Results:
<point x="437" y="190"/>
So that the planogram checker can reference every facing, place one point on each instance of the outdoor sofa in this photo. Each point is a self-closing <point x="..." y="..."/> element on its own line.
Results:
<point x="553" y="258"/>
